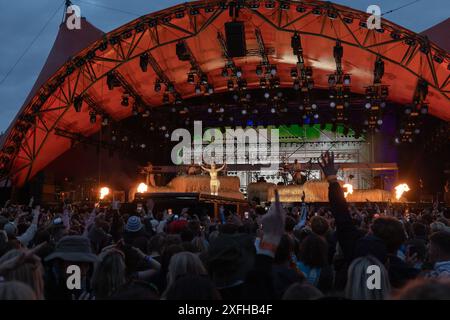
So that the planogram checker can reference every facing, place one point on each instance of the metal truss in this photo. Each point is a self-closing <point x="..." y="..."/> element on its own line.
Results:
<point x="21" y="147"/>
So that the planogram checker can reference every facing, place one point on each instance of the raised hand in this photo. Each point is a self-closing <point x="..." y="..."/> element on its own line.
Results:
<point x="273" y="223"/>
<point x="327" y="165"/>
<point x="36" y="214"/>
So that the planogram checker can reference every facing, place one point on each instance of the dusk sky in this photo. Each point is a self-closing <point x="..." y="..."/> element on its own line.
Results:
<point x="22" y="20"/>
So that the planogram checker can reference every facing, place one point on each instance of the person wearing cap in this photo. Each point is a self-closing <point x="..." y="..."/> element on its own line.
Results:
<point x="134" y="233"/>
<point x="69" y="251"/>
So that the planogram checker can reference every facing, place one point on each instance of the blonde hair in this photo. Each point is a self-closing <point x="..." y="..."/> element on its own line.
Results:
<point x="15" y="290"/>
<point x="30" y="273"/>
<point x="357" y="289"/>
<point x="184" y="263"/>
<point x="109" y="273"/>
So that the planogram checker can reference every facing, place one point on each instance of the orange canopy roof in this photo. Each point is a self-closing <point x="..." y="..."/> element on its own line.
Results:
<point x="32" y="143"/>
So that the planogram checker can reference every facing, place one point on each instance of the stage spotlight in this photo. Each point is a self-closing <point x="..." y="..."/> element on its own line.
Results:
<point x="273" y="110"/>
<point x="78" y="103"/>
<point x="266" y="95"/>
<point x="314" y="106"/>
<point x="239" y="73"/>
<point x="338" y="52"/>
<point x="210" y="110"/>
<point x="92" y="117"/>
<point x="296" y="43"/>
<point x="395" y="35"/>
<point x="300" y="8"/>
<point x="439" y="59"/>
<point x="347" y="80"/>
<point x="410" y="42"/>
<point x="204" y="79"/>
<point x="230" y="85"/>
<point x="269" y="4"/>
<point x="316" y="116"/>
<point x="397" y="140"/>
<point x="110" y="81"/>
<point x="182" y="52"/>
<point x="166" y="98"/>
<point x="332" y="94"/>
<point x="105" y="121"/>
<point x="157" y="86"/>
<point x="332" y="104"/>
<point x="380" y="122"/>
<point x="125" y="100"/>
<point x="242" y="84"/>
<point x="368" y="105"/>
<point x="143" y="62"/>
<point x="317" y="11"/>
<point x="332" y="14"/>
<point x="276" y="83"/>
<point x="417" y="131"/>
<point x="284" y="6"/>
<point x="263" y="83"/>
<point x="348" y="19"/>
<point x="191" y="78"/>
<point x="331" y="80"/>
<point x="379" y="70"/>
<point x="235" y="39"/>
<point x="244" y="111"/>
<point x="424" y="109"/>
<point x="294" y="73"/>
<point x="194" y="11"/>
<point x="259" y="71"/>
<point x="224" y="72"/>
<point x="273" y="70"/>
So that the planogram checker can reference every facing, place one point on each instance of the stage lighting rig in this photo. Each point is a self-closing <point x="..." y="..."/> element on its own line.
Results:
<point x="78" y="103"/>
<point x="143" y="62"/>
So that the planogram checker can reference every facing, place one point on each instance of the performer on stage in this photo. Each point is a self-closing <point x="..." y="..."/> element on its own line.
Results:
<point x="213" y="173"/>
<point x="298" y="175"/>
<point x="149" y="175"/>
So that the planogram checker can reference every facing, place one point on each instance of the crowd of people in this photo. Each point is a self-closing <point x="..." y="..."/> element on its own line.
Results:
<point x="342" y="251"/>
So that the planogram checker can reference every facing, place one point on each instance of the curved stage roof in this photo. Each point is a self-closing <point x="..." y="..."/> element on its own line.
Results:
<point x="81" y="60"/>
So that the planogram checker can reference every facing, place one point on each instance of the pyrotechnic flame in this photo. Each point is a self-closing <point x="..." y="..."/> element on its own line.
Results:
<point x="142" y="188"/>
<point x="104" y="192"/>
<point x="349" y="188"/>
<point x="400" y="189"/>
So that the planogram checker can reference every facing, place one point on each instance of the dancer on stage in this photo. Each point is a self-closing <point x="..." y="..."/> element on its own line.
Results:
<point x="213" y="173"/>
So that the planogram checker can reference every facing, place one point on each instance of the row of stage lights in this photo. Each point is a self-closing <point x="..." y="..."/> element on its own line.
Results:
<point x="406" y="134"/>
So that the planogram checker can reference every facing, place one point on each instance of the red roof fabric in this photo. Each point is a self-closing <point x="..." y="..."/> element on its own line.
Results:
<point x="86" y="73"/>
